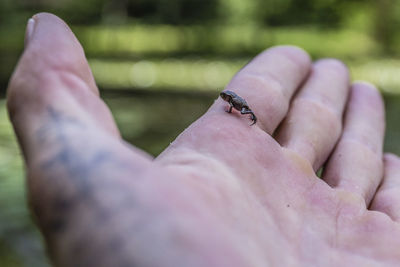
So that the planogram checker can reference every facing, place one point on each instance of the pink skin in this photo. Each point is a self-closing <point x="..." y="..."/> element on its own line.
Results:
<point x="223" y="193"/>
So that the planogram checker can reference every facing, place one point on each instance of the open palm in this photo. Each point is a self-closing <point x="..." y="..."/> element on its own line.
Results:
<point x="224" y="193"/>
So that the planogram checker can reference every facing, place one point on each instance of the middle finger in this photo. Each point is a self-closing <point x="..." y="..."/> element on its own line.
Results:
<point x="314" y="122"/>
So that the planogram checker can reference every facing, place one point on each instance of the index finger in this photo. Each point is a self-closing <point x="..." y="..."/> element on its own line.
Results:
<point x="268" y="82"/>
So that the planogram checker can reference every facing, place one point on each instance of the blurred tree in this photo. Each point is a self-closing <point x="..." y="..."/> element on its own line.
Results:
<point x="327" y="13"/>
<point x="172" y="11"/>
<point x="387" y="23"/>
<point x="115" y="11"/>
<point x="240" y="12"/>
<point x="77" y="12"/>
<point x="74" y="11"/>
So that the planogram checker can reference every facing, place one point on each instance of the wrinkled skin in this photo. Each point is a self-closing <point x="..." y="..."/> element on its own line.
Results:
<point x="223" y="193"/>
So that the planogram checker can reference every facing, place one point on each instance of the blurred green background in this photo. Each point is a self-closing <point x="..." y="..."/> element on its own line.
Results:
<point x="160" y="63"/>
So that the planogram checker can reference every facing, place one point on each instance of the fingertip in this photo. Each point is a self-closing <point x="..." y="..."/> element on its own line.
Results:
<point x="53" y="63"/>
<point x="391" y="159"/>
<point x="390" y="156"/>
<point x="51" y="46"/>
<point x="45" y="15"/>
<point x="51" y="29"/>
<point x="332" y="64"/>
<point x="49" y="18"/>
<point x="369" y="95"/>
<point x="364" y="85"/>
<point x="366" y="88"/>
<point x="294" y="53"/>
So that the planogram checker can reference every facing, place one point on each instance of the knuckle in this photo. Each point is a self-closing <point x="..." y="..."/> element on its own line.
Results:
<point x="259" y="89"/>
<point x="387" y="196"/>
<point x="349" y="204"/>
<point x="264" y="94"/>
<point x="385" y="201"/>
<point x="327" y="113"/>
<point x="263" y="83"/>
<point x="362" y="144"/>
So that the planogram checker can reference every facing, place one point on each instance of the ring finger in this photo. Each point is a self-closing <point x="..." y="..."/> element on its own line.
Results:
<point x="387" y="198"/>
<point x="356" y="163"/>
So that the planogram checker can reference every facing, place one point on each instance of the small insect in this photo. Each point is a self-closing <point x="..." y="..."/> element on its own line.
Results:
<point x="238" y="103"/>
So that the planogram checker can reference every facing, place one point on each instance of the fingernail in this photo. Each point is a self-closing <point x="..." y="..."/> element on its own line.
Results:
<point x="29" y="30"/>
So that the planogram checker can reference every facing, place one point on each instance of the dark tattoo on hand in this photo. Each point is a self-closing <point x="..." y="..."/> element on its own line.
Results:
<point x="76" y="181"/>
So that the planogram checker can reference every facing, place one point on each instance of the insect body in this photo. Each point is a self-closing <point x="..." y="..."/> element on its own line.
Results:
<point x="238" y="103"/>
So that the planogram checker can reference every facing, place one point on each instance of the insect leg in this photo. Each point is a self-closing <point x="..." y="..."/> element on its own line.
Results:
<point x="230" y="108"/>
<point x="249" y="111"/>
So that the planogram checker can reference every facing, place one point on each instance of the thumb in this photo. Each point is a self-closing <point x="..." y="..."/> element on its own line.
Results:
<point x="51" y="45"/>
<point x="53" y="73"/>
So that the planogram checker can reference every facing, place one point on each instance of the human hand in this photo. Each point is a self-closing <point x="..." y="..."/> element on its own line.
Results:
<point x="224" y="193"/>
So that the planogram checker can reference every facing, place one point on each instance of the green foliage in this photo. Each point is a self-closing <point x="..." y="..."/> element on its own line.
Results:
<point x="387" y="23"/>
<point x="172" y="11"/>
<point x="8" y="257"/>
<point x="79" y="12"/>
<point x="20" y="244"/>
<point x="327" y="13"/>
<point x="125" y="41"/>
<point x="202" y="75"/>
<point x="239" y="12"/>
